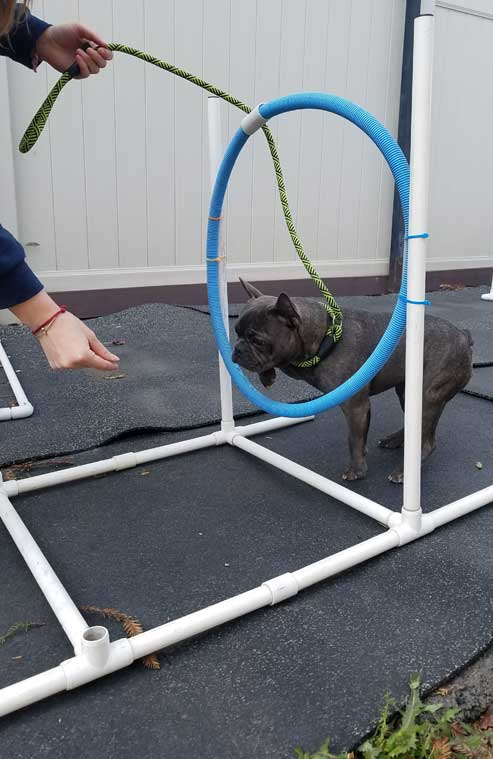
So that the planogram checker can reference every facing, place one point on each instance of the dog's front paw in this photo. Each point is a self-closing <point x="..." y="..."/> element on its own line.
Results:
<point x="268" y="377"/>
<point x="397" y="477"/>
<point x="354" y="473"/>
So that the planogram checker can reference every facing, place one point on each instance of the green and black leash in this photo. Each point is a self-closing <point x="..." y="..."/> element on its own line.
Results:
<point x="33" y="131"/>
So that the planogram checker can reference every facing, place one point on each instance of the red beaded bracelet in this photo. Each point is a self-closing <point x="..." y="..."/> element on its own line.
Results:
<point x="49" y="321"/>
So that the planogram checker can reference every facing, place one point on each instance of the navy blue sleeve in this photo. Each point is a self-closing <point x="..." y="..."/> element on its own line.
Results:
<point x="17" y="282"/>
<point x="21" y="40"/>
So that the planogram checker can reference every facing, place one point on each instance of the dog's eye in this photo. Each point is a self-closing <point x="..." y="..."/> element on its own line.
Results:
<point x="258" y="341"/>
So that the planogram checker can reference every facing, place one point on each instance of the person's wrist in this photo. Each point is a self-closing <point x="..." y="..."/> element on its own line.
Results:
<point x="41" y="42"/>
<point x="36" y="310"/>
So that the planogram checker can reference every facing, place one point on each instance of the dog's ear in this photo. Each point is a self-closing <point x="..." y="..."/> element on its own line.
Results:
<point x="250" y="289"/>
<point x="286" y="308"/>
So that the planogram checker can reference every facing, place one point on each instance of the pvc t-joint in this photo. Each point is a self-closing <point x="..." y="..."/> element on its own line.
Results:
<point x="253" y="121"/>
<point x="95" y="646"/>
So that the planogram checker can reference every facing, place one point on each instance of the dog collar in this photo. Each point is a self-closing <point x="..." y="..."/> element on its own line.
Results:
<point x="332" y="336"/>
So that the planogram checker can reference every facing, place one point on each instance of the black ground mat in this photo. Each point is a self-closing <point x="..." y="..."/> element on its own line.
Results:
<point x="168" y="380"/>
<point x="169" y="377"/>
<point x="162" y="540"/>
<point x="481" y="384"/>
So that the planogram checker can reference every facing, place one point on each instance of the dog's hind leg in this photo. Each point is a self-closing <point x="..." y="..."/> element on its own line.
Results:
<point x="396" y="439"/>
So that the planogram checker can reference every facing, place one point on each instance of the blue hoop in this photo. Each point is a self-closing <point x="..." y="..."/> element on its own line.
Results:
<point x="388" y="342"/>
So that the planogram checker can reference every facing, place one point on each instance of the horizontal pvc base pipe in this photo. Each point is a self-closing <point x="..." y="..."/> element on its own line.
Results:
<point x="81" y="670"/>
<point x="129" y="460"/>
<point x="92" y="664"/>
<point x="349" y="497"/>
<point x="463" y="506"/>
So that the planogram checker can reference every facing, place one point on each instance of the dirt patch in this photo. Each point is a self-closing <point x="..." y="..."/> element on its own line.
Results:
<point x="471" y="691"/>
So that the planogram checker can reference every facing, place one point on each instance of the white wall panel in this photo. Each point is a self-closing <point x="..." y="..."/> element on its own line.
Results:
<point x="462" y="147"/>
<point x="119" y="180"/>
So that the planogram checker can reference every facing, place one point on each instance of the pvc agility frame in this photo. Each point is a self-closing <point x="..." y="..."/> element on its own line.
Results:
<point x="94" y="655"/>
<point x="23" y="408"/>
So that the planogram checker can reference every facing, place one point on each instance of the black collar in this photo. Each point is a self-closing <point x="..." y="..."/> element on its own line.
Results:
<point x="324" y="349"/>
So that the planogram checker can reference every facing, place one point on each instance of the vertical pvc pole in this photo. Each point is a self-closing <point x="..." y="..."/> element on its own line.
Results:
<point x="418" y="224"/>
<point x="488" y="296"/>
<point x="215" y="157"/>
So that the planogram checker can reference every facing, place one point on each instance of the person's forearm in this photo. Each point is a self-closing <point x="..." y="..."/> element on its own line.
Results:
<point x="17" y="282"/>
<point x="20" y="44"/>
<point x="36" y="310"/>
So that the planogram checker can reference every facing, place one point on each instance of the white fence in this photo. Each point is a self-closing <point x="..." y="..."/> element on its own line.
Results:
<point x="462" y="146"/>
<point x="116" y="192"/>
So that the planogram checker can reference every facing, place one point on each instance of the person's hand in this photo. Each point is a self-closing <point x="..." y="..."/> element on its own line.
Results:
<point x="68" y="342"/>
<point x="60" y="46"/>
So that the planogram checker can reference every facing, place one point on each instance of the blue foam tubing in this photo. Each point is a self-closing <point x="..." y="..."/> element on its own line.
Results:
<point x="388" y="342"/>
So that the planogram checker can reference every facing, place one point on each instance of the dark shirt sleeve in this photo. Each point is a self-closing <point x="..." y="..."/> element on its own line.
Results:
<point x="20" y="42"/>
<point x="17" y="282"/>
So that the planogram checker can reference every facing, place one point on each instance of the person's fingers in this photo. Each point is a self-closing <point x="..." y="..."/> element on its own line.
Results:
<point x="105" y="53"/>
<point x="83" y="67"/>
<point x="96" y="362"/>
<point x="90" y="36"/>
<point x="91" y="65"/>
<point x="89" y="360"/>
<point x="96" y="56"/>
<point x="100" y="350"/>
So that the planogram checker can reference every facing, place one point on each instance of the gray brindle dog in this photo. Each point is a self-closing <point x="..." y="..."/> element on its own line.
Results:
<point x="276" y="333"/>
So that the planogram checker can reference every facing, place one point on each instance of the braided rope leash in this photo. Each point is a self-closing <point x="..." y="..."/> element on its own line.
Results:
<point x="39" y="120"/>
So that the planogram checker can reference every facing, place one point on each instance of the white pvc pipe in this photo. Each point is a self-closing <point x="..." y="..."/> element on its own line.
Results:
<point x="31" y="690"/>
<point x="215" y="157"/>
<point x="64" y="608"/>
<point x="128" y="460"/>
<point x="270" y="424"/>
<point x="24" y="408"/>
<point x="84" y="669"/>
<point x="418" y="224"/>
<point x="205" y="619"/>
<point x="350" y="557"/>
<point x="461" y="507"/>
<point x="200" y="621"/>
<point x="114" y="464"/>
<point x="488" y="296"/>
<point x="350" y="498"/>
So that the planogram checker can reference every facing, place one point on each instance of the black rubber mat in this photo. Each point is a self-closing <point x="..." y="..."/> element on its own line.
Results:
<point x="168" y="380"/>
<point x="163" y="540"/>
<point x="169" y="377"/>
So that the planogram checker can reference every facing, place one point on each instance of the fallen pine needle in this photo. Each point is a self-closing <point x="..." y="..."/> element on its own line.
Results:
<point x="10" y="473"/>
<point x="131" y="626"/>
<point x="19" y="627"/>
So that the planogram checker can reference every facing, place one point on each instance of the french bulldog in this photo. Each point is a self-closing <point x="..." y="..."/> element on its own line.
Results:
<point x="277" y="333"/>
